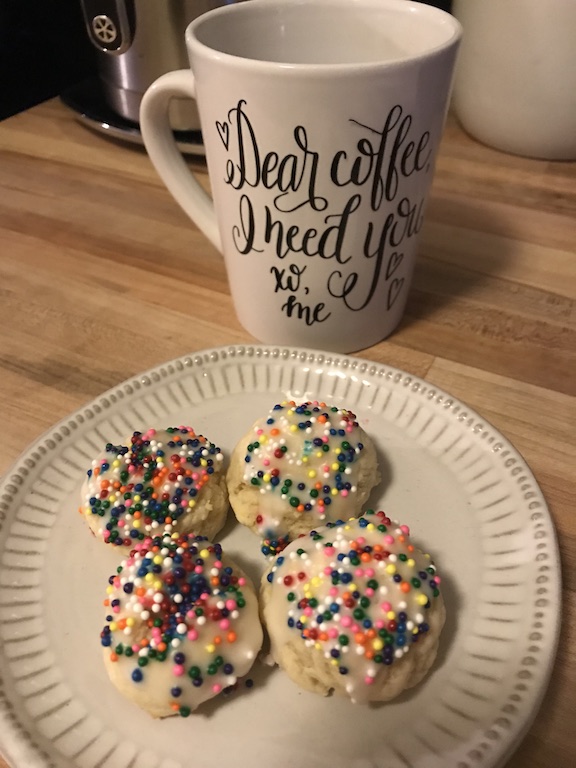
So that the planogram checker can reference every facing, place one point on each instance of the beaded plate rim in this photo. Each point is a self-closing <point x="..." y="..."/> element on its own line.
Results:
<point x="495" y="744"/>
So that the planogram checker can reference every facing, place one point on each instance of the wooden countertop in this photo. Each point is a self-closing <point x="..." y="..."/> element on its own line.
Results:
<point x="103" y="276"/>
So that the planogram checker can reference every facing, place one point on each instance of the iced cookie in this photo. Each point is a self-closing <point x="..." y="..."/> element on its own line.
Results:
<point x="169" y="479"/>
<point x="354" y="608"/>
<point x="182" y="624"/>
<point x="298" y="467"/>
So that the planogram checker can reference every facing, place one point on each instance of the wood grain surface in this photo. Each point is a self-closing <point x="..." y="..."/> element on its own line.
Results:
<point x="102" y="276"/>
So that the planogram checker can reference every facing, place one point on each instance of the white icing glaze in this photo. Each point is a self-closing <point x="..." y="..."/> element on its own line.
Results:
<point x="307" y="460"/>
<point x="209" y="625"/>
<point x="349" y="593"/>
<point x="158" y="479"/>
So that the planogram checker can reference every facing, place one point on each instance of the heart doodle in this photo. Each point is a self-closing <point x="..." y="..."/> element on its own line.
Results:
<point x="393" y="263"/>
<point x="224" y="132"/>
<point x="394" y="291"/>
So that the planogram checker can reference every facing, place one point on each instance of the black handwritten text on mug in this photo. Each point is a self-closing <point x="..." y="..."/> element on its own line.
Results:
<point x="373" y="171"/>
<point x="286" y="174"/>
<point x="382" y="165"/>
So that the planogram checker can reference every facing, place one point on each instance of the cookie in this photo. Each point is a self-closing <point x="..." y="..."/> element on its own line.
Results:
<point x="354" y="608"/>
<point x="182" y="624"/>
<point x="169" y="479"/>
<point x="300" y="466"/>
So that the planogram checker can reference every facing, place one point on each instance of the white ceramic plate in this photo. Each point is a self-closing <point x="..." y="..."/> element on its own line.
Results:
<point x="465" y="491"/>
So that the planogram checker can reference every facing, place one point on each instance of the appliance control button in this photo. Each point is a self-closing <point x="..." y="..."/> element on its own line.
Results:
<point x="108" y="24"/>
<point x="104" y="29"/>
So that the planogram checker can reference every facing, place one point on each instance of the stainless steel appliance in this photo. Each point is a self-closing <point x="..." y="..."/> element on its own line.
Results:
<point x="137" y="41"/>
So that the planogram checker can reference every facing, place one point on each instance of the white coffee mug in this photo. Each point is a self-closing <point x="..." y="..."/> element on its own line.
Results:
<point x="515" y="85"/>
<point x="321" y="120"/>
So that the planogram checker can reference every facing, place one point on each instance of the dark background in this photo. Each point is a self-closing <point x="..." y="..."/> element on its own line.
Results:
<point x="44" y="49"/>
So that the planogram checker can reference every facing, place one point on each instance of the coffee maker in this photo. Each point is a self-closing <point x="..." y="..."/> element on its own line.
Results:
<point x="136" y="42"/>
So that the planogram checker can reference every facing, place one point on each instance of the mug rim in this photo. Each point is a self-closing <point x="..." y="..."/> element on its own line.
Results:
<point x="244" y="7"/>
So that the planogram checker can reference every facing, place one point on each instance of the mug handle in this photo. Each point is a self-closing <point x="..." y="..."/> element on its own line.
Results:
<point x="161" y="146"/>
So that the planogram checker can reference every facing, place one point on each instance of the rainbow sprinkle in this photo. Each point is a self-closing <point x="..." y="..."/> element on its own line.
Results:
<point x="147" y="486"/>
<point x="357" y="591"/>
<point x="305" y="456"/>
<point x="174" y="602"/>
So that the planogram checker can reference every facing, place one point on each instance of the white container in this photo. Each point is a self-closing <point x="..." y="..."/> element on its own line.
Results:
<point x="515" y="86"/>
